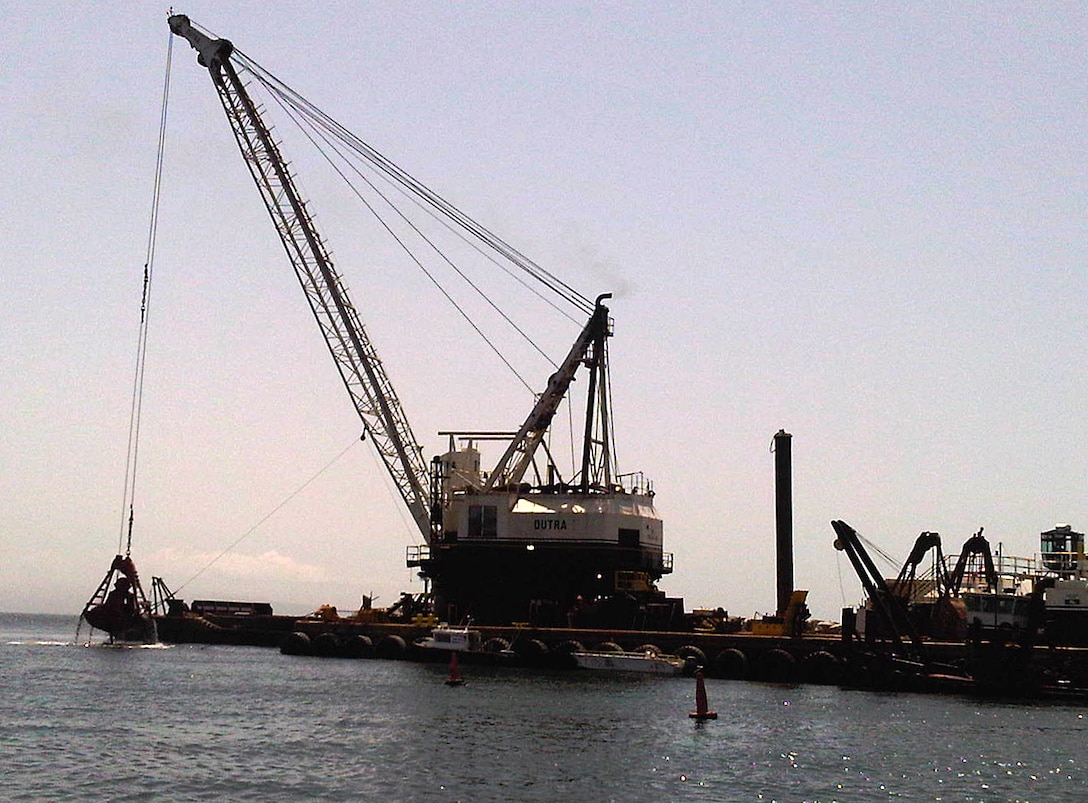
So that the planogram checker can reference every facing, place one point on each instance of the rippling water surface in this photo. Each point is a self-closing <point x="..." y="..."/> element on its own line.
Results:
<point x="237" y="723"/>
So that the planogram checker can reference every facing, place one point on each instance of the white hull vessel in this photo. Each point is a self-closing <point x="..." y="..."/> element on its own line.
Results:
<point x="451" y="639"/>
<point x="643" y="662"/>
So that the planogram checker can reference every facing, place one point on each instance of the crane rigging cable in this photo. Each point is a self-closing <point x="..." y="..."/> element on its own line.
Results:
<point x="873" y="547"/>
<point x="339" y="143"/>
<point x="299" y="116"/>
<point x="418" y="262"/>
<point x="310" y="133"/>
<point x="119" y="606"/>
<point x="276" y="509"/>
<point x="349" y="148"/>
<point x="413" y="185"/>
<point x="136" y="408"/>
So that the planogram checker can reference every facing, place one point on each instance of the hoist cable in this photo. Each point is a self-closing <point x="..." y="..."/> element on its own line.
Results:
<point x="291" y="111"/>
<point x="136" y="408"/>
<point x="613" y="462"/>
<point x="874" y="548"/>
<point x="459" y="232"/>
<point x="570" y="430"/>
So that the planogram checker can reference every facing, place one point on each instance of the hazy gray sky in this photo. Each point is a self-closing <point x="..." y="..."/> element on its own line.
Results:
<point x="862" y="223"/>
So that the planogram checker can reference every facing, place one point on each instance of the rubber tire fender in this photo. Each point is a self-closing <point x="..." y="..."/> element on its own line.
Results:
<point x="731" y="663"/>
<point x="822" y="667"/>
<point x="777" y="666"/>
<point x="358" y="646"/>
<point x="296" y="643"/>
<point x="690" y="651"/>
<point x="391" y="648"/>
<point x="532" y="649"/>
<point x="567" y="647"/>
<point x="326" y="644"/>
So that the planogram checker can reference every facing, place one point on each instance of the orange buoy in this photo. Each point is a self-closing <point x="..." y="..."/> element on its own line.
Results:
<point x="701" y="713"/>
<point x="455" y="678"/>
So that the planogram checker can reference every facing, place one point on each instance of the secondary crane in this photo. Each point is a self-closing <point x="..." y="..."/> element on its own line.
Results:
<point x="891" y="608"/>
<point x="905" y="584"/>
<point x="976" y="550"/>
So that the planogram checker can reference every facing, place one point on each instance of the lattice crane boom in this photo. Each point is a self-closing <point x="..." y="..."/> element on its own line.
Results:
<point x="360" y="367"/>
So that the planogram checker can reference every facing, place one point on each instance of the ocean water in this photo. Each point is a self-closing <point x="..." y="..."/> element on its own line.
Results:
<point x="235" y="723"/>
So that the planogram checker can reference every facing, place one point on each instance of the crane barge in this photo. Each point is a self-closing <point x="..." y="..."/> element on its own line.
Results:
<point x="538" y="561"/>
<point x="518" y="543"/>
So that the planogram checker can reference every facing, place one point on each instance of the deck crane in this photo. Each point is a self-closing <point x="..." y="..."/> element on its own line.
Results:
<point x="358" y="362"/>
<point x="934" y="609"/>
<point x="895" y="621"/>
<point x="977" y="559"/>
<point x="497" y="547"/>
<point x="905" y="585"/>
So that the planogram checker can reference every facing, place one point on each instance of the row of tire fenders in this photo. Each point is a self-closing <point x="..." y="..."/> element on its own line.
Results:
<point x="774" y="665"/>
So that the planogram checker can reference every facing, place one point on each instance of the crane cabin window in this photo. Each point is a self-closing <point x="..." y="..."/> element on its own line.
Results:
<point x="482" y="521"/>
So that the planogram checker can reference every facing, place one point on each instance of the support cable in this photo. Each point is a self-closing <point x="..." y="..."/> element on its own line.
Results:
<point x="613" y="468"/>
<point x="136" y="407"/>
<point x="892" y="562"/>
<point x="419" y="264"/>
<point x="291" y="113"/>
<point x="283" y="503"/>
<point x="432" y="198"/>
<point x="286" y="102"/>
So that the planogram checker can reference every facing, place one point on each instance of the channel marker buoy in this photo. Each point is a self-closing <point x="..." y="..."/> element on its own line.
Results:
<point x="701" y="713"/>
<point x="455" y="678"/>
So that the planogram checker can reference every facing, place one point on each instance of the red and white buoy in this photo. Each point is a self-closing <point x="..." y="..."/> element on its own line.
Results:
<point x="455" y="678"/>
<point x="701" y="713"/>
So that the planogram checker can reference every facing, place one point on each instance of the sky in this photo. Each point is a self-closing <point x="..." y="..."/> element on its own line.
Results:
<point x="860" y="223"/>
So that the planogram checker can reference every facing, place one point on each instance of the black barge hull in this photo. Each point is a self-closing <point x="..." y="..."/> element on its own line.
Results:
<point x="740" y="656"/>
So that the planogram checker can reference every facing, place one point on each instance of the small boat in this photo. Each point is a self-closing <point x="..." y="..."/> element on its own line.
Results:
<point x="645" y="662"/>
<point x="458" y="639"/>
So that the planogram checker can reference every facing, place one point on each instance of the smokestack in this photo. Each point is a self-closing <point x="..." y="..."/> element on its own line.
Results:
<point x="783" y="513"/>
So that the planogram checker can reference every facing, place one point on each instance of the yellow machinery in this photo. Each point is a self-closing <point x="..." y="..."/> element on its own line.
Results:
<point x="789" y="623"/>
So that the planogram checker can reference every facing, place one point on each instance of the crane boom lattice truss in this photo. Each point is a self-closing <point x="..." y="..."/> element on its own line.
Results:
<point x="360" y="367"/>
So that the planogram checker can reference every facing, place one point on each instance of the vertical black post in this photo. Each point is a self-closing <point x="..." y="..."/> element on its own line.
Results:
<point x="783" y="509"/>
<point x="849" y="625"/>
